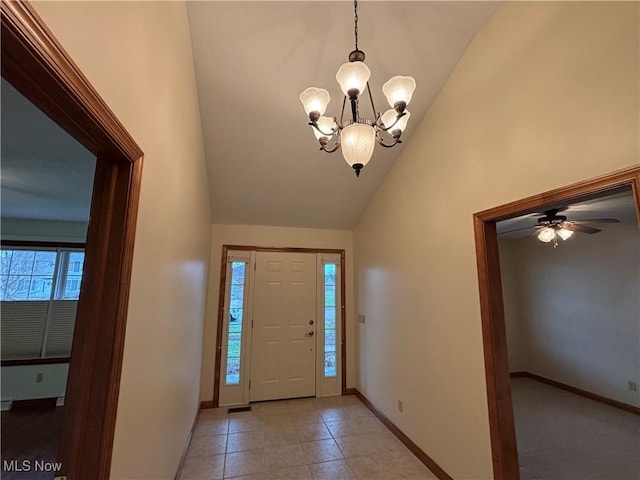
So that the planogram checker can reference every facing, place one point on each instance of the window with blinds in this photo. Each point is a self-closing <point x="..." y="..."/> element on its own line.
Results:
<point x="39" y="289"/>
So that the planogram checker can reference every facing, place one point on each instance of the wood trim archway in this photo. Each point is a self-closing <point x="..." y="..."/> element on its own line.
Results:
<point x="503" y="438"/>
<point x="37" y="65"/>
<point x="223" y="280"/>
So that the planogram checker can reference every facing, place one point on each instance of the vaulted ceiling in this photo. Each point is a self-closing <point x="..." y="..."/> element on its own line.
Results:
<point x="252" y="61"/>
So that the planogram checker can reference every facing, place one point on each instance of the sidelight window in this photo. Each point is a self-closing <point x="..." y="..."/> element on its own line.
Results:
<point x="330" y="314"/>
<point x="235" y="320"/>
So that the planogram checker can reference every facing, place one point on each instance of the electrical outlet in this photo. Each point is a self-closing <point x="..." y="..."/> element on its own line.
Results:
<point x="39" y="377"/>
<point x="400" y="406"/>
<point x="361" y="318"/>
<point x="632" y="386"/>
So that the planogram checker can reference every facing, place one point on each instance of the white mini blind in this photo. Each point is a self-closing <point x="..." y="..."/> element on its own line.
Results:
<point x="22" y="328"/>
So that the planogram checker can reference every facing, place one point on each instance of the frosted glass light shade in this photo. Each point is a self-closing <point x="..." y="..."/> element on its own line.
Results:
<point x="399" y="89"/>
<point x="326" y="124"/>
<point x="390" y="116"/>
<point x="315" y="99"/>
<point x="353" y="75"/>
<point x="358" y="140"/>
<point x="546" y="234"/>
<point x="564" y="233"/>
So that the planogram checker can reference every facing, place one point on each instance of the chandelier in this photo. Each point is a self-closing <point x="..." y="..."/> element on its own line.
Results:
<point x="358" y="135"/>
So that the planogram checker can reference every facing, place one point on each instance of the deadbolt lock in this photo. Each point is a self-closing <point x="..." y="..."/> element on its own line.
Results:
<point x="310" y="322"/>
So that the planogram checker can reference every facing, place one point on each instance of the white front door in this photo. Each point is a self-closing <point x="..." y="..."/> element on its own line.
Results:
<point x="284" y="325"/>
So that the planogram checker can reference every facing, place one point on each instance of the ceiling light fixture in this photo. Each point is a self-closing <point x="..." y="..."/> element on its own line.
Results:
<point x="358" y="135"/>
<point x="552" y="233"/>
<point x="564" y="233"/>
<point x="546" y="234"/>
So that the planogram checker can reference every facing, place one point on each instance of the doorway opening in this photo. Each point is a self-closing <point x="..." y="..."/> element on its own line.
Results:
<point x="281" y="324"/>
<point x="38" y="67"/>
<point x="46" y="185"/>
<point x="500" y="407"/>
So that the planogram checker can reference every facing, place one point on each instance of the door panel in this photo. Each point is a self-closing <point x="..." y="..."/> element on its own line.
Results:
<point x="283" y="351"/>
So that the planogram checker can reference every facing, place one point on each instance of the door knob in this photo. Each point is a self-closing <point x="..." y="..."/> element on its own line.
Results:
<point x="310" y="334"/>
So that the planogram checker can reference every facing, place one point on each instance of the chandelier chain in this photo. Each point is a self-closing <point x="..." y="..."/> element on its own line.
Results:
<point x="355" y="21"/>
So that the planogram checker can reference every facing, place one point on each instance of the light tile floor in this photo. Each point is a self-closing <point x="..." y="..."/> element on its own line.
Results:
<point x="564" y="436"/>
<point x="314" y="438"/>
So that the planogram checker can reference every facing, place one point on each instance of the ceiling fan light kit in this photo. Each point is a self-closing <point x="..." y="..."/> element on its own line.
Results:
<point x="551" y="234"/>
<point x="552" y="227"/>
<point x="358" y="135"/>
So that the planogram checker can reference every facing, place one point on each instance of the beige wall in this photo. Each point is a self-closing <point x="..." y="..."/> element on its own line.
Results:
<point x="138" y="56"/>
<point x="577" y="309"/>
<point x="263" y="236"/>
<point x="545" y="95"/>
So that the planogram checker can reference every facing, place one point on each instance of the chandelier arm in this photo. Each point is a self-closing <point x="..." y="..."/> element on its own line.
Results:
<point x="315" y="125"/>
<point x="373" y="107"/>
<point x="400" y="115"/>
<point x="335" y="147"/>
<point x="344" y="102"/>
<point x="380" y="141"/>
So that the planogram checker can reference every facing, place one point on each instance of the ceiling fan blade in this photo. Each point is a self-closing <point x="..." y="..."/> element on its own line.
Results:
<point x="519" y="229"/>
<point x="580" y="228"/>
<point x="596" y="220"/>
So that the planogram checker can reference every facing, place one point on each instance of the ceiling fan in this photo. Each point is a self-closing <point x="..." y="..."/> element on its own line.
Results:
<point x="551" y="226"/>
